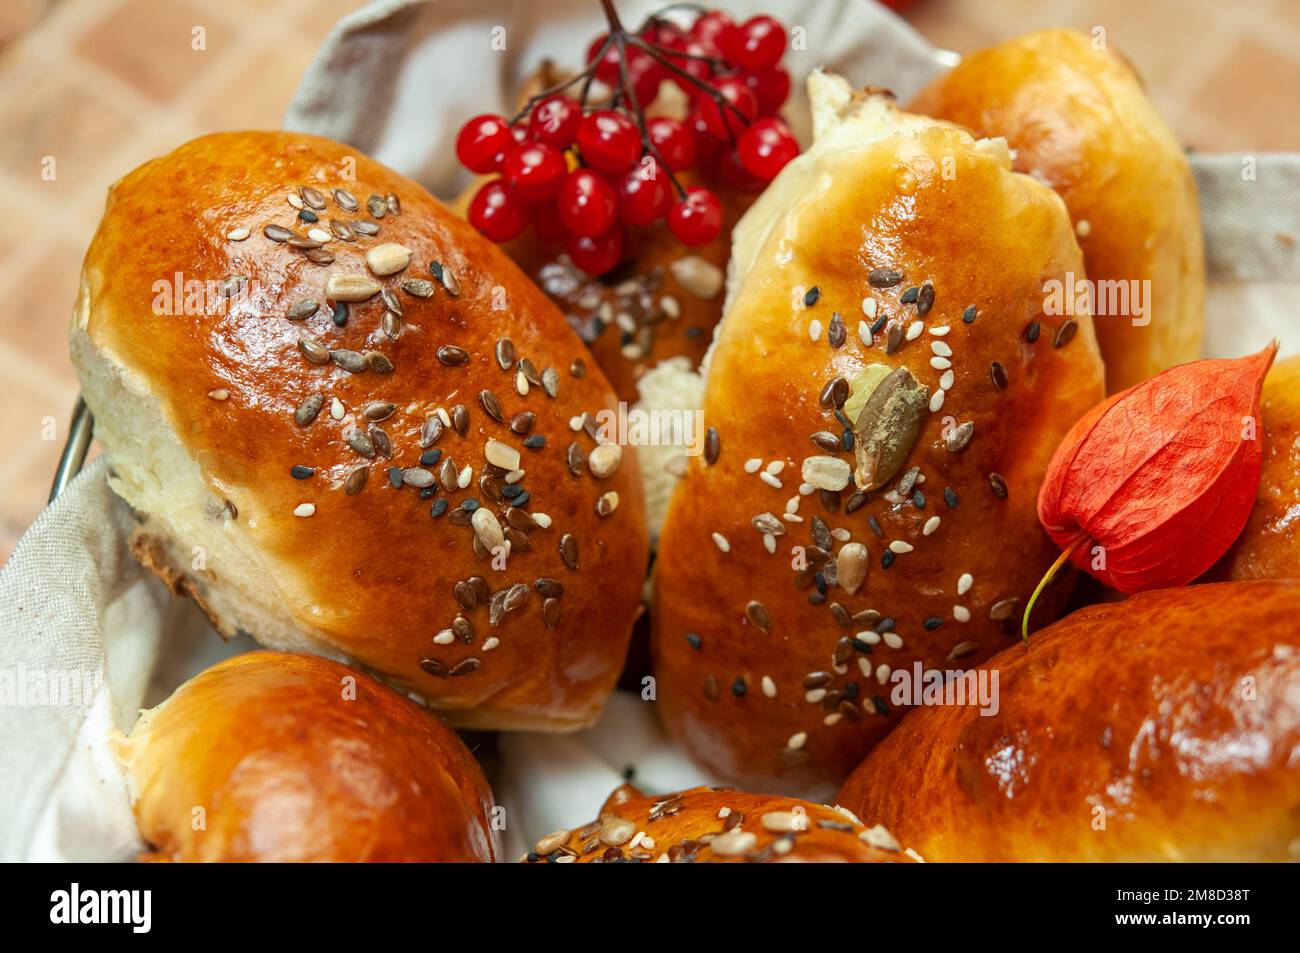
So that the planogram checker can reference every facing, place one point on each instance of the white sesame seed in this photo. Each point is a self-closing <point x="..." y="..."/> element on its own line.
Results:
<point x="1083" y="228"/>
<point x="936" y="401"/>
<point x="832" y="719"/>
<point x="775" y="467"/>
<point x="514" y="476"/>
<point x="521" y="384"/>
<point x="670" y="306"/>
<point x="814" y="329"/>
<point x="543" y="520"/>
<point x="930" y="526"/>
<point x="445" y="637"/>
<point x="864" y="333"/>
<point x="880" y="838"/>
<point x="914" y="330"/>
<point x="648" y="842"/>
<point x="947" y="379"/>
<point x="238" y="234"/>
<point x="294" y="200"/>
<point x="806" y="489"/>
<point x="443" y="416"/>
<point x="899" y="547"/>
<point x="769" y="686"/>
<point x="864" y="664"/>
<point x="319" y="235"/>
<point x="721" y="542"/>
<point x="870" y="636"/>
<point x="724" y="812"/>
<point x="337" y="410"/>
<point x="304" y="509"/>
<point x="869" y="307"/>
<point x="219" y="393"/>
<point x="843" y="535"/>
<point x="753" y="464"/>
<point x="797" y="741"/>
<point x="940" y="331"/>
<point x="769" y="542"/>
<point x="792" y="517"/>
<point x="792" y="505"/>
<point x="893" y="640"/>
<point x="770" y="480"/>
<point x="814" y="696"/>
<point x="941" y="348"/>
<point x="961" y="613"/>
<point x="490" y="643"/>
<point x="940" y="363"/>
<point x="964" y="582"/>
<point x="465" y="475"/>
<point x="882" y="673"/>
<point x="575" y="423"/>
<point x="635" y="842"/>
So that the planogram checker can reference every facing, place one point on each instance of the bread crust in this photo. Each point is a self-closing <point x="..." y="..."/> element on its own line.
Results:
<point x="757" y="707"/>
<point x="282" y="757"/>
<point x="371" y="575"/>
<point x="684" y="827"/>
<point x="1161" y="728"/>
<point x="1078" y="119"/>
<point x="1269" y="546"/>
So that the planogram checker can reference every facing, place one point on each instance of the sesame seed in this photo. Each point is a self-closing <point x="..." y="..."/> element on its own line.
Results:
<point x="964" y="582"/>
<point x="814" y="330"/>
<point x="940" y="363"/>
<point x="947" y="379"/>
<point x="931" y="525"/>
<point x="304" y="509"/>
<point x="900" y="546"/>
<point x="941" y="348"/>
<point x="869" y="307"/>
<point x="337" y="410"/>
<point x="721" y="542"/>
<point x="936" y="400"/>
<point x="753" y="464"/>
<point x="940" y="331"/>
<point x="961" y="613"/>
<point x="770" y="480"/>
<point x="797" y="741"/>
<point x="864" y="333"/>
<point x="914" y="330"/>
<point x="769" y="686"/>
<point x="219" y="393"/>
<point x="968" y="316"/>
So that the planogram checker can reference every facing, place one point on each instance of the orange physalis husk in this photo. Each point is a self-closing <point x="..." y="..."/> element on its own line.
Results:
<point x="1161" y="477"/>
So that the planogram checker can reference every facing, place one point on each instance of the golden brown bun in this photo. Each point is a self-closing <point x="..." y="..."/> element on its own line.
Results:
<point x="1169" y="721"/>
<point x="282" y="757"/>
<point x="197" y="414"/>
<point x="715" y="826"/>
<point x="984" y="237"/>
<point x="1078" y="119"/>
<point x="1269" y="546"/>
<point x="653" y="261"/>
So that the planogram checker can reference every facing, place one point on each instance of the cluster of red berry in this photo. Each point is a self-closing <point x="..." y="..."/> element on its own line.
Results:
<point x="582" y="176"/>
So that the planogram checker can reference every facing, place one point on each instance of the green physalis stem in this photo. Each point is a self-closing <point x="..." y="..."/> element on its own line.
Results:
<point x="1047" y="577"/>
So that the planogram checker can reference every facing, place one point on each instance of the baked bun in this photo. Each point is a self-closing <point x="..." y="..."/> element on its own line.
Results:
<point x="779" y="608"/>
<point x="715" y="826"/>
<point x="1269" y="546"/>
<point x="1160" y="728"/>
<point x="1077" y="118"/>
<point x="247" y="459"/>
<point x="282" y="757"/>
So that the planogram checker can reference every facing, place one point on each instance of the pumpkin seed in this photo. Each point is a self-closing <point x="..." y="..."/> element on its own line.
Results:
<point x="887" y="428"/>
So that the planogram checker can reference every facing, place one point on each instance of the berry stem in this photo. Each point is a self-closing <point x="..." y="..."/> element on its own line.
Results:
<point x="1047" y="577"/>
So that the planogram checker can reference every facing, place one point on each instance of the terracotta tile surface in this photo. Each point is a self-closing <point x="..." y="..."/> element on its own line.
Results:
<point x="102" y="85"/>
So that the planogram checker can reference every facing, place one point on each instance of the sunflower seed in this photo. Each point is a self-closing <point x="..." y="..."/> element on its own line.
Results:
<point x="489" y="402"/>
<point x="551" y="381"/>
<point x="277" y="233"/>
<point x="355" y="481"/>
<point x="887" y="427"/>
<point x="1065" y="333"/>
<point x="388" y="258"/>
<point x="417" y="287"/>
<point x="835" y="333"/>
<point x="351" y="287"/>
<point x="574" y="459"/>
<point x="312" y="197"/>
<point x="757" y="613"/>
<point x="884" y="277"/>
<point x="308" y="409"/>
<point x="376" y="206"/>
<point x="346" y="200"/>
<point x="302" y="309"/>
<point x="569" y="550"/>
<point x="391" y="325"/>
<point x="360" y="442"/>
<point x="551" y="613"/>
<point x="451" y="355"/>
<point x="925" y="299"/>
<point x="960" y="438"/>
<point x="377" y="410"/>
<point x="998" y="374"/>
<point x="314" y="351"/>
<point x="378" y="362"/>
<point x="349" y="360"/>
<point x="505" y="352"/>
<point x="1003" y="609"/>
<point x="364" y="226"/>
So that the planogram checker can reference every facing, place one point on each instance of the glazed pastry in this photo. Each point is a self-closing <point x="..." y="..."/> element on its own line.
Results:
<point x="350" y="425"/>
<point x="1161" y="728"/>
<point x="280" y="757"/>
<point x="1269" y="546"/>
<point x="1077" y="118"/>
<point x="717" y="825"/>
<point x="884" y="397"/>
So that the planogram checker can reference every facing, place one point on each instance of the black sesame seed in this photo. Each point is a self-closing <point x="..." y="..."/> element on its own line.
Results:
<point x="340" y="314"/>
<point x="885" y="625"/>
<point x="693" y="331"/>
<point x="861" y="646"/>
<point x="879" y="324"/>
<point x="535" y="442"/>
<point x="918" y="499"/>
<point x="968" y="315"/>
<point x="430" y="457"/>
<point x="909" y="296"/>
<point x="439" y="507"/>
<point x="512" y="491"/>
<point x="852" y="688"/>
<point x="522" y="499"/>
<point x="429" y="492"/>
<point x="301" y="472"/>
<point x="820" y="581"/>
<point x="880" y="704"/>
<point x="694" y="641"/>
<point x="810" y="298"/>
<point x="950" y="497"/>
<point x="875" y="526"/>
<point x="738" y="687"/>
<point x="307" y="215"/>
<point x="887" y="559"/>
<point x="470" y="504"/>
<point x="1032" y="331"/>
<point x="932" y="623"/>
<point x="395" y="477"/>
<point x="846" y="438"/>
